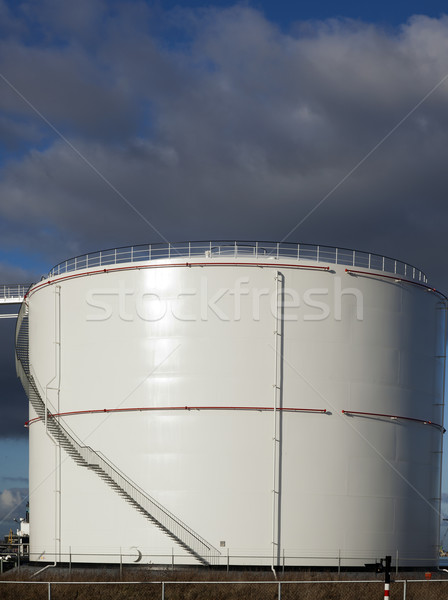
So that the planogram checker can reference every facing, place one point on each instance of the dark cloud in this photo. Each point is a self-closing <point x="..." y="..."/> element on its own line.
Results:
<point x="13" y="401"/>
<point x="238" y="131"/>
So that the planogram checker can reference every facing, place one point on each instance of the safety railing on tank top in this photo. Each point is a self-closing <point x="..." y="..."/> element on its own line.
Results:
<point x="240" y="249"/>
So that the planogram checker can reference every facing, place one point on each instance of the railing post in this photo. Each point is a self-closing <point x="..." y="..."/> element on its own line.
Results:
<point x="121" y="566"/>
<point x="404" y="589"/>
<point x="163" y="590"/>
<point x="49" y="591"/>
<point x="279" y="590"/>
<point x="172" y="558"/>
<point x="228" y="560"/>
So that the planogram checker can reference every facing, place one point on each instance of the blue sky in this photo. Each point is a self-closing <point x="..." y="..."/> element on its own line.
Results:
<point x="287" y="13"/>
<point x="215" y="120"/>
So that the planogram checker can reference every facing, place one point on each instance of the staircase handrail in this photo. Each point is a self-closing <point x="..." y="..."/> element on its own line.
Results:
<point x="92" y="457"/>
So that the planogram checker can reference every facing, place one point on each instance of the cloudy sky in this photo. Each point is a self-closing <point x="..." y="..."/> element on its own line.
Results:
<point x="127" y="122"/>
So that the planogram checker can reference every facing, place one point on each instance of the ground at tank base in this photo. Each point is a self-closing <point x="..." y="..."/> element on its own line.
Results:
<point x="132" y="573"/>
<point x="143" y="583"/>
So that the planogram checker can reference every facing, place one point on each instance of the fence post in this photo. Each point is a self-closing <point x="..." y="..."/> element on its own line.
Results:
<point x="49" y="591"/>
<point x="387" y="577"/>
<point x="163" y="590"/>
<point x="227" y="560"/>
<point x="279" y="590"/>
<point x="396" y="563"/>
<point x="121" y="566"/>
<point x="404" y="589"/>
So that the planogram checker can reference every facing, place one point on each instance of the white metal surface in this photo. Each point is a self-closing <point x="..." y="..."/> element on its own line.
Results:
<point x="188" y="376"/>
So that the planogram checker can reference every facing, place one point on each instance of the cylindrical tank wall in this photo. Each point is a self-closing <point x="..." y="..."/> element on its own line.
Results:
<point x="212" y="350"/>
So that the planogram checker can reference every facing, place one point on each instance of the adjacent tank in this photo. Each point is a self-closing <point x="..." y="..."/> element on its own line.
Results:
<point x="234" y="403"/>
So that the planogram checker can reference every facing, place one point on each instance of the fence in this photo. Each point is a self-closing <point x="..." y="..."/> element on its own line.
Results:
<point x="406" y="589"/>
<point x="228" y="559"/>
<point x="242" y="249"/>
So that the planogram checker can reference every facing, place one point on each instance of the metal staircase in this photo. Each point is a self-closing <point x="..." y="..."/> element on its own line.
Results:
<point x="86" y="457"/>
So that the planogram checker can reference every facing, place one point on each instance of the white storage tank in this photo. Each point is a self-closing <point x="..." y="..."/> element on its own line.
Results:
<point x="234" y="403"/>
